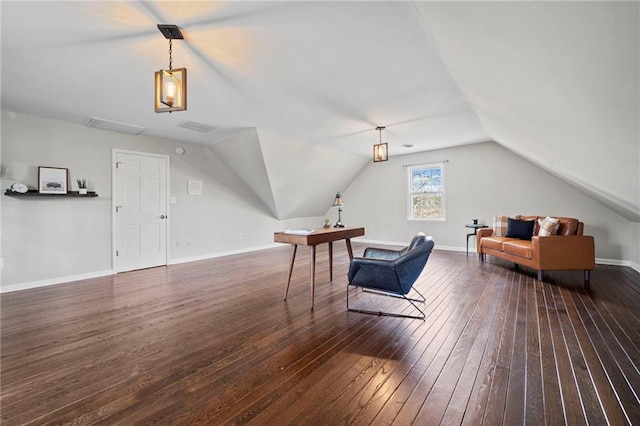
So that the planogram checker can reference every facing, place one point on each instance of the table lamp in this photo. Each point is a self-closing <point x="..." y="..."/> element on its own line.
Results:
<point x="337" y="202"/>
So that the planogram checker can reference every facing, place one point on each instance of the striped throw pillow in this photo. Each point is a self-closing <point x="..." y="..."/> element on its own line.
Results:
<point x="548" y="226"/>
<point x="501" y="223"/>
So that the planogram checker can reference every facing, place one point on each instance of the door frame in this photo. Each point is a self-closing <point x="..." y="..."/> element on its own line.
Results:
<point x="114" y="203"/>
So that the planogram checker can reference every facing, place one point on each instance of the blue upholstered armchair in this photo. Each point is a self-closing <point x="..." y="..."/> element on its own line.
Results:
<point x="391" y="272"/>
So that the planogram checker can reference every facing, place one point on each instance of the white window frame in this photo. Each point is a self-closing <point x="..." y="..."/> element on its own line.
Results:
<point x="411" y="193"/>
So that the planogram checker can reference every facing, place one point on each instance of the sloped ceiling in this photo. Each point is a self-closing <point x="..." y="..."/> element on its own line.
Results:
<point x="296" y="89"/>
<point x="292" y="178"/>
<point x="555" y="82"/>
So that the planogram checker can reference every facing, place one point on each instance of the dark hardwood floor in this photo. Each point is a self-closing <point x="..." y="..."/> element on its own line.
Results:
<point x="212" y="342"/>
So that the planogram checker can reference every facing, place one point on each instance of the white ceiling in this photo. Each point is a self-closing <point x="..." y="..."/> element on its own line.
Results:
<point x="555" y="82"/>
<point x="325" y="72"/>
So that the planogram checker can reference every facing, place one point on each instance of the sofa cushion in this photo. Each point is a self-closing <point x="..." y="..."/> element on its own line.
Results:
<point x="522" y="229"/>
<point x="548" y="226"/>
<point x="493" y="242"/>
<point x="500" y="224"/>
<point x="518" y="248"/>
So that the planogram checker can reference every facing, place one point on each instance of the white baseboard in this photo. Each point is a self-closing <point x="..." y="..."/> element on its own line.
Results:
<point x="384" y="243"/>
<point x="612" y="262"/>
<point x="616" y="262"/>
<point x="222" y="254"/>
<point x="97" y="274"/>
<point x="53" y="281"/>
<point x="404" y="244"/>
<point x="599" y="261"/>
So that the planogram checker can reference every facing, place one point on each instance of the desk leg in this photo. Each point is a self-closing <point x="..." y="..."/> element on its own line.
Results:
<point x="349" y="249"/>
<point x="312" y="263"/>
<point x="294" y="248"/>
<point x="330" y="260"/>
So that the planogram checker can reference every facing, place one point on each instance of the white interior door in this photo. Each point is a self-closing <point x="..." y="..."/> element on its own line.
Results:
<point x="140" y="210"/>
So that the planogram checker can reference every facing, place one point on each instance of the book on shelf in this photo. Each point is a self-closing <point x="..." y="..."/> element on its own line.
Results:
<point x="300" y="231"/>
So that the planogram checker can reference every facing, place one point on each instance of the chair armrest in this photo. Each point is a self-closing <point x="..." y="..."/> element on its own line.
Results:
<point x="371" y="270"/>
<point x="558" y="252"/>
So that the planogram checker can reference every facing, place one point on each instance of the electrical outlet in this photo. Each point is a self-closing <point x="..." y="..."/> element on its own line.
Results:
<point x="178" y="243"/>
<point x="189" y="242"/>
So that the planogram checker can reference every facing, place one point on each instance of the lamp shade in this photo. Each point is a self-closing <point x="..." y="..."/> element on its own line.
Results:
<point x="380" y="152"/>
<point x="337" y="202"/>
<point x="171" y="90"/>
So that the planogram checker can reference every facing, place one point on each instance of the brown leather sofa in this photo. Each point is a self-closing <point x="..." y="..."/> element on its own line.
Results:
<point x="568" y="250"/>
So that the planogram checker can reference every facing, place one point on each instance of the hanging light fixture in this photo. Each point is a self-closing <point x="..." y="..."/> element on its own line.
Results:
<point x="171" y="84"/>
<point x="380" y="150"/>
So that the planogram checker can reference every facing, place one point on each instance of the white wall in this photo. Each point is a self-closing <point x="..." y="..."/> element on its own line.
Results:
<point x="635" y="242"/>
<point x="51" y="240"/>
<point x="481" y="180"/>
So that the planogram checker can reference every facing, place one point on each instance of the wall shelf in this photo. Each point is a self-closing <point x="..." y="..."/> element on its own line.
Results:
<point x="34" y="193"/>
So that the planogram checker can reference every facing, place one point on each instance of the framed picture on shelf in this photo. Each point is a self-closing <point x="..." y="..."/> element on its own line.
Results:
<point x="53" y="180"/>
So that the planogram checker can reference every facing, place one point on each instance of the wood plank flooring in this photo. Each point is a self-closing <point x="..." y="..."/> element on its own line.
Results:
<point x="212" y="342"/>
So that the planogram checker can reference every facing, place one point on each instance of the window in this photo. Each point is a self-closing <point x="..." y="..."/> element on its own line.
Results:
<point x="426" y="192"/>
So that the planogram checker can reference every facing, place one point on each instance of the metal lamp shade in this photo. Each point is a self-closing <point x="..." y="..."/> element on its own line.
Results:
<point x="380" y="152"/>
<point x="171" y="90"/>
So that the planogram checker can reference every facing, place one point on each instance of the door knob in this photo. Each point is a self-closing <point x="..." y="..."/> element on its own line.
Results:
<point x="162" y="216"/>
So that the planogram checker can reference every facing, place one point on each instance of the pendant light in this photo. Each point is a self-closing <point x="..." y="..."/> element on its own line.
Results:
<point x="380" y="150"/>
<point x="171" y="84"/>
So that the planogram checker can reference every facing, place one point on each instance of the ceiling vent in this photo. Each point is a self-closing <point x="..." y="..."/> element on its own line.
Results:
<point x="114" y="126"/>
<point x="198" y="127"/>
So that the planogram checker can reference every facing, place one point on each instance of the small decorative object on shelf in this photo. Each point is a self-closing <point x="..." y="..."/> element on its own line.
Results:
<point x="20" y="188"/>
<point x="326" y="223"/>
<point x="53" y="180"/>
<point x="82" y="186"/>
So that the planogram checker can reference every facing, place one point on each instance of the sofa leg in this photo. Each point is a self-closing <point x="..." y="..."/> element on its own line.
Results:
<point x="540" y="275"/>
<point x="587" y="275"/>
<point x="481" y="257"/>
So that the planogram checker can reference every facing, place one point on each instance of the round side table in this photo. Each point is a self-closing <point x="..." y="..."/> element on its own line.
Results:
<point x="475" y="227"/>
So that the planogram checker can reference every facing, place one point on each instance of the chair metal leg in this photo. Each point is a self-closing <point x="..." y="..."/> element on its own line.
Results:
<point x="422" y="315"/>
<point x="399" y="296"/>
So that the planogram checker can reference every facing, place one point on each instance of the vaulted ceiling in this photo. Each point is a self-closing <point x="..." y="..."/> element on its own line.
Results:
<point x="554" y="82"/>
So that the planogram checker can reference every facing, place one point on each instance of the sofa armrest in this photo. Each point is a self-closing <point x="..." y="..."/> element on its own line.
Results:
<point x="559" y="252"/>
<point x="482" y="232"/>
